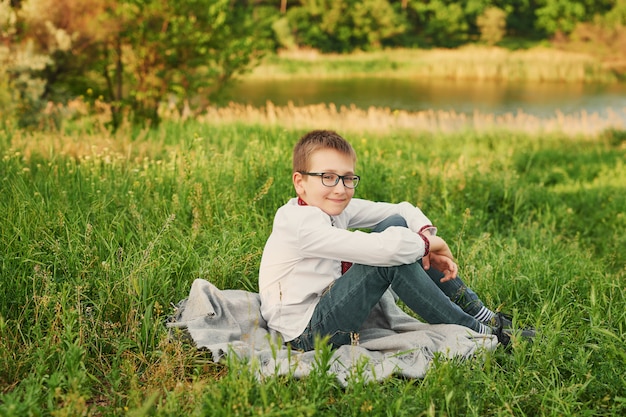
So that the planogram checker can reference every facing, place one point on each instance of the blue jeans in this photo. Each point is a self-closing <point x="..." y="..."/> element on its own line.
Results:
<point x="347" y="303"/>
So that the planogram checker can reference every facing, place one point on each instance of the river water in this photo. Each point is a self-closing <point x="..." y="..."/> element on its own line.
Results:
<point x="538" y="99"/>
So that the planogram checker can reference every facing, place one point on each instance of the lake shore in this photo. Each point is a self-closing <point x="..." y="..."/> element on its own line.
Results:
<point x="539" y="64"/>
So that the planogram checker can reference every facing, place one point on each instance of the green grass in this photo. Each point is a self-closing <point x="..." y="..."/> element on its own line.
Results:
<point x="101" y="234"/>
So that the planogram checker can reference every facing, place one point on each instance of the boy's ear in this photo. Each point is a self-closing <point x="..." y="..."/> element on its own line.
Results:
<point x="297" y="179"/>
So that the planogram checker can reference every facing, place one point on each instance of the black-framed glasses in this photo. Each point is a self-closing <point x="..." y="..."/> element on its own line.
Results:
<point x="330" y="179"/>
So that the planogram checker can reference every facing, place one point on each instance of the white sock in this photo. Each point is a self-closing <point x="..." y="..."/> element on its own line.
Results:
<point x="484" y="329"/>
<point x="484" y="315"/>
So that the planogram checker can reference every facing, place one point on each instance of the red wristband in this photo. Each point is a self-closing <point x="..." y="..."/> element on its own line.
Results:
<point x="426" y="243"/>
<point x="428" y="226"/>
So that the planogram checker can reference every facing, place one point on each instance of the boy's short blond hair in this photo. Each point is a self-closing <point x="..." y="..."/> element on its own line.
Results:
<point x="316" y="140"/>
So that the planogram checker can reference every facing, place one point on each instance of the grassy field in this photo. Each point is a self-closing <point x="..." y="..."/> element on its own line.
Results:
<point x="101" y="233"/>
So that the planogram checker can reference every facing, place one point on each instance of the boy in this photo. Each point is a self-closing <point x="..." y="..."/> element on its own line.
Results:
<point x="307" y="291"/>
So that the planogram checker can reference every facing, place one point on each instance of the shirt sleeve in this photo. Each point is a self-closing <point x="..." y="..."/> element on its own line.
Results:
<point x="394" y="246"/>
<point x="366" y="214"/>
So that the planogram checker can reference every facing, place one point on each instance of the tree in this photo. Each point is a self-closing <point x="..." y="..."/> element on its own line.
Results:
<point x="492" y="25"/>
<point x="344" y="25"/>
<point x="21" y="64"/>
<point x="559" y="16"/>
<point x="520" y="17"/>
<point x="137" y="53"/>
<point x="69" y="33"/>
<point x="440" y="22"/>
<point x="374" y="22"/>
<point x="186" y="49"/>
<point x="562" y="16"/>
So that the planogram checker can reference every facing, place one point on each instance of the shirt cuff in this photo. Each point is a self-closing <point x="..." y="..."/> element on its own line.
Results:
<point x="426" y="244"/>
<point x="430" y="228"/>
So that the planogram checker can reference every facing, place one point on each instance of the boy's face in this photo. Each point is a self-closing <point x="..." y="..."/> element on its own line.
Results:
<point x="332" y="200"/>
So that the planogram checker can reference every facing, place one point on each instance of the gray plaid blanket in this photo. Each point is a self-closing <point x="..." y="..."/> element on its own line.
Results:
<point x="391" y="342"/>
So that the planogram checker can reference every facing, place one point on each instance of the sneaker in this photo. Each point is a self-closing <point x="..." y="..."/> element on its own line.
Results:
<point x="502" y="326"/>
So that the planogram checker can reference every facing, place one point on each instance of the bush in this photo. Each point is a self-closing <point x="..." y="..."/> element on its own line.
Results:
<point x="492" y="25"/>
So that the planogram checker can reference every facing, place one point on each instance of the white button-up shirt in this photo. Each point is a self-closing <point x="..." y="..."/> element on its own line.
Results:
<point x="303" y="254"/>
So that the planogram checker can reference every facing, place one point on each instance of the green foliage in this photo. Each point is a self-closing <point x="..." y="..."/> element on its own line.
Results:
<point x="492" y="25"/>
<point x="374" y="23"/>
<point x="142" y="55"/>
<point x="284" y="37"/>
<point x="7" y="29"/>
<point x="440" y="22"/>
<point x="617" y="15"/>
<point x="561" y="16"/>
<point x="21" y="65"/>
<point x="187" y="50"/>
<point x="137" y="54"/>
<point x="344" y="25"/>
<point x="521" y="18"/>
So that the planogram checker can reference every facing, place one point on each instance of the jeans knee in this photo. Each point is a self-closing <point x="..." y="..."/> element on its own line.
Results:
<point x="393" y="220"/>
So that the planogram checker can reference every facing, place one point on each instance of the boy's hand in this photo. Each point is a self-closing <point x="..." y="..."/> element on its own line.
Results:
<point x="441" y="263"/>
<point x="440" y="257"/>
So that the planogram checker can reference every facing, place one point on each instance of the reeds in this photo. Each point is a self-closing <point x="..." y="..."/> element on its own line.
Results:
<point x="385" y="120"/>
<point x="381" y="120"/>
<point x="538" y="64"/>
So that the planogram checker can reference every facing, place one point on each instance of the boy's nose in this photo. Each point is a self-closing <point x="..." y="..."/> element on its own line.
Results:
<point x="339" y="187"/>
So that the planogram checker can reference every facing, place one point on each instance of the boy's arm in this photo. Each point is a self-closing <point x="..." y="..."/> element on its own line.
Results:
<point x="316" y="238"/>
<point x="366" y="214"/>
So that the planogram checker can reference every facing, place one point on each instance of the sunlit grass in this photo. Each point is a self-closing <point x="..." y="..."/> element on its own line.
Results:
<point x="102" y="232"/>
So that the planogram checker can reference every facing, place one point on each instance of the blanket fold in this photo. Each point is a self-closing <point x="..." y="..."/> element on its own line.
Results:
<point x="391" y="341"/>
